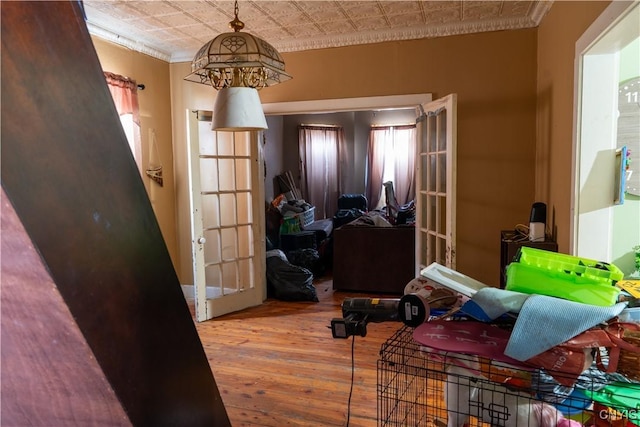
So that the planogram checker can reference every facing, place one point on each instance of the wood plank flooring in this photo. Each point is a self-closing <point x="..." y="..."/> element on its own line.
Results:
<point x="278" y="365"/>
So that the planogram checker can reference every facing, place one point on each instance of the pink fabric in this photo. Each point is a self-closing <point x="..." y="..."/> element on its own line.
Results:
<point x="466" y="337"/>
<point x="124" y="92"/>
<point x="566" y="422"/>
<point x="549" y="416"/>
<point x="321" y="153"/>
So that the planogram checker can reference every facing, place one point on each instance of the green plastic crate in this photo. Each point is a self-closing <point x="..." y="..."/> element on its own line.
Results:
<point x="536" y="271"/>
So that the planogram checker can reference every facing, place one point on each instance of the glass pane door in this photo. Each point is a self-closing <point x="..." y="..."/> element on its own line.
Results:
<point x="227" y="223"/>
<point x="435" y="221"/>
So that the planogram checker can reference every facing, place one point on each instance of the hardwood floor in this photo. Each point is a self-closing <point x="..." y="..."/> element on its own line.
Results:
<point x="278" y="365"/>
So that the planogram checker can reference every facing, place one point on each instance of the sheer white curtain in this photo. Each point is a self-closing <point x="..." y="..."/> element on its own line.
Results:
<point x="320" y="150"/>
<point x="391" y="157"/>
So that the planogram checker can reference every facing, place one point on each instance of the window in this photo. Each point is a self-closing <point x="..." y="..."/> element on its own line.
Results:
<point x="391" y="158"/>
<point x="320" y="147"/>
<point x="124" y="92"/>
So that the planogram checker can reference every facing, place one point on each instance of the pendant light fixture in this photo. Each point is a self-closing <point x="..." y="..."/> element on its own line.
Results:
<point x="237" y="65"/>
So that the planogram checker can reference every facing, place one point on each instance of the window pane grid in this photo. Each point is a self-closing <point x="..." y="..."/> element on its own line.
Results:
<point x="433" y="237"/>
<point x="226" y="191"/>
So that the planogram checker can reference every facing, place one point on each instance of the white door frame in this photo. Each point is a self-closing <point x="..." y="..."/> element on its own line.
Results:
<point x="347" y="104"/>
<point x="594" y="133"/>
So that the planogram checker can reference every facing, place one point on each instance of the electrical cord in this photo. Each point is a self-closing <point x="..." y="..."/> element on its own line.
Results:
<point x="522" y="233"/>
<point x="353" y="370"/>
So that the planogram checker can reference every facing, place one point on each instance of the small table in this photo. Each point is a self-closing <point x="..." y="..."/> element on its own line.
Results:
<point x="511" y="241"/>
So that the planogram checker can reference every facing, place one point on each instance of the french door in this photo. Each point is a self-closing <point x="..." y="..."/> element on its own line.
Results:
<point x="227" y="220"/>
<point x="436" y="184"/>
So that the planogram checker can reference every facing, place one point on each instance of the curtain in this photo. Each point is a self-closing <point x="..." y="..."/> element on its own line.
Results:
<point x="124" y="92"/>
<point x="391" y="157"/>
<point x="376" y="154"/>
<point x="320" y="151"/>
<point x="405" y="164"/>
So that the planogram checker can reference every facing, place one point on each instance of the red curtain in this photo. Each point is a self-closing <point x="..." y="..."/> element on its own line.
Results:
<point x="124" y="92"/>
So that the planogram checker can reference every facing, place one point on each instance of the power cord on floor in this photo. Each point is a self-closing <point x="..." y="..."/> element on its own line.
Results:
<point x="353" y="370"/>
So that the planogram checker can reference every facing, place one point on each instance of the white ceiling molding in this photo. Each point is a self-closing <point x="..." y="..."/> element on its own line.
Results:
<point x="109" y="36"/>
<point x="404" y="34"/>
<point x="540" y="9"/>
<point x="347" y="104"/>
<point x="174" y="30"/>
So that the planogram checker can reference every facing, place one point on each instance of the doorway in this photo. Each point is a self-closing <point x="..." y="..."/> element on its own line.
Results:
<point x="439" y="231"/>
<point x="280" y="117"/>
<point x="606" y="97"/>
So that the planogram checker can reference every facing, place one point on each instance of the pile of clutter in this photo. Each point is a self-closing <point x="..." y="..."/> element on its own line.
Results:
<point x="560" y="345"/>
<point x="290" y="274"/>
<point x="292" y="211"/>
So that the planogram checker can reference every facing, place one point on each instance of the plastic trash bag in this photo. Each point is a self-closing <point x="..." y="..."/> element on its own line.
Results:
<point x="307" y="258"/>
<point x="290" y="282"/>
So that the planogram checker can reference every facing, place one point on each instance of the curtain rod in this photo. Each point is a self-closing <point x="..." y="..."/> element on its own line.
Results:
<point x="396" y="125"/>
<point x="115" y="76"/>
<point x="321" y="125"/>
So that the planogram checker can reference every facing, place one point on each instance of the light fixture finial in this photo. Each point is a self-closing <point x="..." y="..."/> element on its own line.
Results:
<point x="236" y="25"/>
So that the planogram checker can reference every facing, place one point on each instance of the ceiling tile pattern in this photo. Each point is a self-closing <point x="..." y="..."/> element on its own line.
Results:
<point x="175" y="30"/>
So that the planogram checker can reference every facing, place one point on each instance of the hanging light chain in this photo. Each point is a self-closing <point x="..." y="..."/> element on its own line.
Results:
<point x="236" y="24"/>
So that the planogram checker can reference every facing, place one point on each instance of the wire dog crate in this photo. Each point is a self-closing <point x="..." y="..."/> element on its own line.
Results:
<point x="408" y="380"/>
<point x="419" y="386"/>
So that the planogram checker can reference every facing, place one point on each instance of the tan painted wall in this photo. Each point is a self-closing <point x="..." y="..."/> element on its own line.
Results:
<point x="557" y="35"/>
<point x="494" y="76"/>
<point x="155" y="115"/>
<point x="515" y="114"/>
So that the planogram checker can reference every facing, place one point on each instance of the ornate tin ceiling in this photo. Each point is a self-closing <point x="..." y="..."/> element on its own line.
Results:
<point x="174" y="30"/>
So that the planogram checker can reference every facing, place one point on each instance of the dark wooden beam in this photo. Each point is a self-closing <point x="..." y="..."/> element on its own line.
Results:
<point x="69" y="174"/>
<point x="49" y="375"/>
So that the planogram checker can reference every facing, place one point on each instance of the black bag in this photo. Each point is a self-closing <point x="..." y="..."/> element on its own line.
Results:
<point x="307" y="258"/>
<point x="345" y="216"/>
<point x="352" y="201"/>
<point x="290" y="282"/>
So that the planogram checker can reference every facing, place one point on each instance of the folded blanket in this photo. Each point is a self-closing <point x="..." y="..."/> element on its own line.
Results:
<point x="544" y="322"/>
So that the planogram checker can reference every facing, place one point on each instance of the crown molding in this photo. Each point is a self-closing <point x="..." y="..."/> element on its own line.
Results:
<point x="370" y="37"/>
<point x="112" y="37"/>
<point x="540" y="10"/>
<point x="406" y="34"/>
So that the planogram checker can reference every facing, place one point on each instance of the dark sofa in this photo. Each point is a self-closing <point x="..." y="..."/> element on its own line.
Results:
<point x="373" y="259"/>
